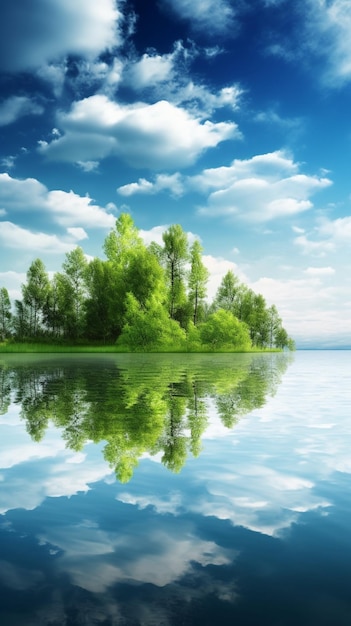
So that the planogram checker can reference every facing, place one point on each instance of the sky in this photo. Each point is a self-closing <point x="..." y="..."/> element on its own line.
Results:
<point x="229" y="117"/>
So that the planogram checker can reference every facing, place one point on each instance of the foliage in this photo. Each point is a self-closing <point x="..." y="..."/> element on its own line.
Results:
<point x="140" y="299"/>
<point x="5" y="314"/>
<point x="223" y="330"/>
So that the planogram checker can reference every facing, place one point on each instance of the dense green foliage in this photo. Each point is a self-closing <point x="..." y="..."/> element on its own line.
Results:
<point x="142" y="297"/>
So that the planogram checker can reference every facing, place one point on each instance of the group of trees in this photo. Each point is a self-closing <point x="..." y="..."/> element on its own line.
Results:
<point x="143" y="297"/>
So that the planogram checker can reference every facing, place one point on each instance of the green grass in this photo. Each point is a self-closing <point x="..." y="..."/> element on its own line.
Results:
<point x="13" y="348"/>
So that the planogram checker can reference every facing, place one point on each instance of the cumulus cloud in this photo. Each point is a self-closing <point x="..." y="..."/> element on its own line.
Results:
<point x="12" y="281"/>
<point x="15" y="107"/>
<point x="151" y="69"/>
<point x="13" y="236"/>
<point x="314" y="248"/>
<point x="328" y="236"/>
<point x="262" y="188"/>
<point x="339" y="229"/>
<point x="166" y="76"/>
<point x="65" y="208"/>
<point x="77" y="233"/>
<point x="218" y="267"/>
<point x="52" y="29"/>
<point x="155" y="234"/>
<point x="155" y="135"/>
<point x="323" y="318"/>
<point x="163" y="182"/>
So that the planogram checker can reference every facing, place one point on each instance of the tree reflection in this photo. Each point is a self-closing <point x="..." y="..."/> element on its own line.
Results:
<point x="138" y="404"/>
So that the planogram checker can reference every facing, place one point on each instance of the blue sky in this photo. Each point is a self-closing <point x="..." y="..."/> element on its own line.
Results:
<point x="231" y="118"/>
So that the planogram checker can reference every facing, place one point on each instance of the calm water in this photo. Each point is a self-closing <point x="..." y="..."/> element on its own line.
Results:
<point x="185" y="490"/>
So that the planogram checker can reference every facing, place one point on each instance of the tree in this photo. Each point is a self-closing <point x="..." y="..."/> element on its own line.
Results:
<point x="227" y="292"/>
<point x="99" y="277"/>
<point x="122" y="241"/>
<point x="149" y="327"/>
<point x="198" y="277"/>
<point x="5" y="314"/>
<point x="222" y="330"/>
<point x="54" y="311"/>
<point x="282" y="340"/>
<point x="258" y="320"/>
<point x="21" y="320"/>
<point x="274" y="325"/>
<point x="35" y="294"/>
<point x="73" y="290"/>
<point x="176" y="254"/>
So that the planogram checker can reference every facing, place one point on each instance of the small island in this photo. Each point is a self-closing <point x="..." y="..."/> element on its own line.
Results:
<point x="140" y="298"/>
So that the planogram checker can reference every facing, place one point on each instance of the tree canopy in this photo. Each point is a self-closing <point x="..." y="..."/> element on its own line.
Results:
<point x="142" y="298"/>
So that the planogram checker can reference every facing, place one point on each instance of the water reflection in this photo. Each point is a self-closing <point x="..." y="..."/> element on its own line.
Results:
<point x="137" y="404"/>
<point x="254" y="531"/>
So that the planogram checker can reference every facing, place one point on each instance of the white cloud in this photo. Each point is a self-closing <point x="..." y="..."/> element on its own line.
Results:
<point x="77" y="233"/>
<point x="328" y="25"/>
<point x="67" y="209"/>
<point x="166" y="77"/>
<point x="218" y="267"/>
<point x="315" y="248"/>
<point x="15" y="107"/>
<point x="328" y="236"/>
<point x="12" y="236"/>
<point x="151" y="69"/>
<point x="212" y="16"/>
<point x="54" y="74"/>
<point x="339" y="230"/>
<point x="202" y="100"/>
<point x="322" y="32"/>
<point x="88" y="166"/>
<point x="313" y="313"/>
<point x="53" y="29"/>
<point x="163" y="182"/>
<point x="8" y="163"/>
<point x="144" y="135"/>
<point x="155" y="234"/>
<point x="12" y="281"/>
<point x="320" y="271"/>
<point x="265" y="187"/>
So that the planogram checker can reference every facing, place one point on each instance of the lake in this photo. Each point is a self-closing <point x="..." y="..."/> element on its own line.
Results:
<point x="161" y="490"/>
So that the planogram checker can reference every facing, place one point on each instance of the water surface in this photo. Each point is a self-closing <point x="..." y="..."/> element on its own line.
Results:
<point x="145" y="490"/>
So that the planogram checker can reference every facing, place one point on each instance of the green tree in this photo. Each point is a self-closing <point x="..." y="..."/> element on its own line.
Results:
<point x="35" y="294"/>
<point x="123" y="246"/>
<point x="197" y="281"/>
<point x="176" y="254"/>
<point x="258" y="320"/>
<point x="73" y="291"/>
<point x="222" y="330"/>
<point x="54" y="311"/>
<point x="5" y="314"/>
<point x="274" y="325"/>
<point x="149" y="327"/>
<point x="21" y="320"/>
<point x="227" y="292"/>
<point x="99" y="321"/>
<point x="123" y="241"/>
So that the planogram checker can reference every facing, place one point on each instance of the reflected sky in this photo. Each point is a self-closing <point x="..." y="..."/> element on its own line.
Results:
<point x="253" y="528"/>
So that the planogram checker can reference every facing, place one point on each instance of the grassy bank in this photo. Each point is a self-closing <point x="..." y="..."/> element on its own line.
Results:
<point x="15" y="348"/>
